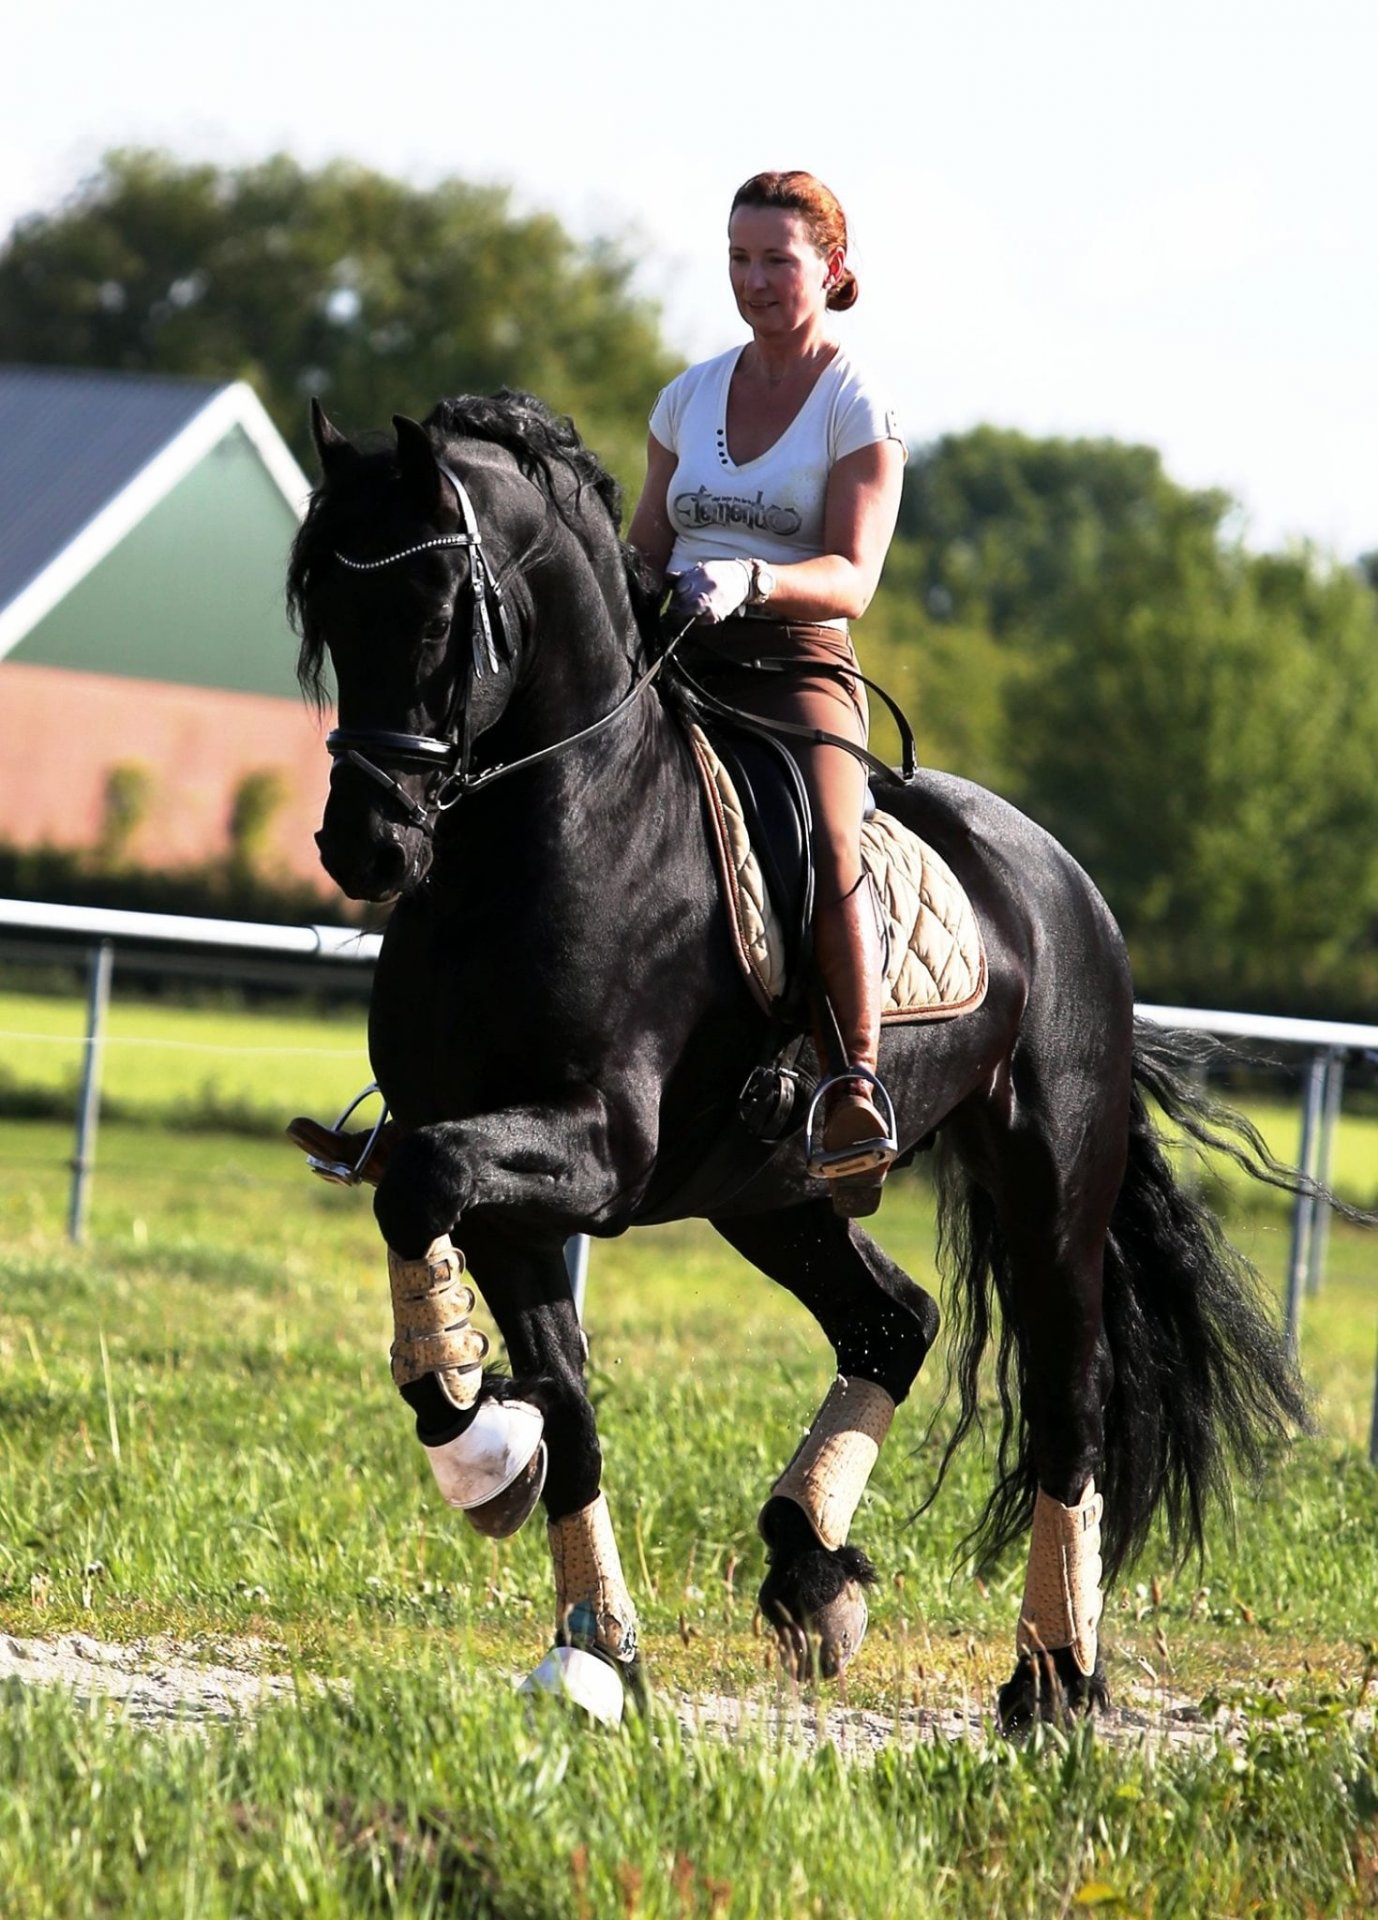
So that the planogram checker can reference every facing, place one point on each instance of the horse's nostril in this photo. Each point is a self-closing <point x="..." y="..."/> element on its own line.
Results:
<point x="366" y="868"/>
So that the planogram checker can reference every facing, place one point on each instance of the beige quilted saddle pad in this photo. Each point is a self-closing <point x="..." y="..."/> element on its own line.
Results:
<point x="936" y="965"/>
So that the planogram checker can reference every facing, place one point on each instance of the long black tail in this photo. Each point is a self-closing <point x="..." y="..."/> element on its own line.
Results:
<point x="1202" y="1379"/>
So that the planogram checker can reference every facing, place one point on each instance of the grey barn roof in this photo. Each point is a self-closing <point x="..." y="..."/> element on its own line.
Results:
<point x="69" y="441"/>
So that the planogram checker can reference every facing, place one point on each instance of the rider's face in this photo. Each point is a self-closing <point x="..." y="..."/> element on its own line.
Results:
<point x="779" y="278"/>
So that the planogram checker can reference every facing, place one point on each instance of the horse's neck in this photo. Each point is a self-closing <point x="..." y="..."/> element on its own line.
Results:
<point x="587" y="650"/>
<point x="585" y="660"/>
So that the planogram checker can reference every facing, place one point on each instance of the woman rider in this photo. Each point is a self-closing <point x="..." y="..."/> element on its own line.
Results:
<point x="772" y="489"/>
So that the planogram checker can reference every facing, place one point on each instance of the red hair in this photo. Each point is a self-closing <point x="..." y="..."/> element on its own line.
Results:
<point x="821" y="212"/>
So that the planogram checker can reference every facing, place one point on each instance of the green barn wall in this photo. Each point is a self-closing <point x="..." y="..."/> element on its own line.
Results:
<point x="193" y="594"/>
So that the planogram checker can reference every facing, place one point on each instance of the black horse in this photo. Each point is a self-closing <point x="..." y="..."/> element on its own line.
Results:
<point x="562" y="1033"/>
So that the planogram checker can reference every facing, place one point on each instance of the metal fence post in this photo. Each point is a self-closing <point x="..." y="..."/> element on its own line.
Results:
<point x="577" y="1267"/>
<point x="88" y="1106"/>
<point x="1325" y="1162"/>
<point x="1304" y="1208"/>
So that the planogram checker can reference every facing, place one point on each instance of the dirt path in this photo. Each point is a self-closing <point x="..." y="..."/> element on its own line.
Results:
<point x="861" y="1733"/>
<point x="153" y="1681"/>
<point x="173" y="1683"/>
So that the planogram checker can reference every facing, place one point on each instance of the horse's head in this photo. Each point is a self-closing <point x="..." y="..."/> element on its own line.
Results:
<point x="393" y="583"/>
<point x="437" y="573"/>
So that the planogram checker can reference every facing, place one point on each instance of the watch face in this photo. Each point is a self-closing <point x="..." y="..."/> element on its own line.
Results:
<point x="765" y="583"/>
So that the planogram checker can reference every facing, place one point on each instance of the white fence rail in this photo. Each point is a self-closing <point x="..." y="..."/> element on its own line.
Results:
<point x="101" y="931"/>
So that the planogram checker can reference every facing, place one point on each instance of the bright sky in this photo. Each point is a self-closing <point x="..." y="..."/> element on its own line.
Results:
<point x="1155" y="221"/>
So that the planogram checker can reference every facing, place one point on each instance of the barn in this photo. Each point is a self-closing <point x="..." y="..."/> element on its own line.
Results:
<point x="146" y="662"/>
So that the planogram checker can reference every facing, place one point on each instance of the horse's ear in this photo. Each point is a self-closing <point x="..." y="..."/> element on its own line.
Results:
<point x="420" y="470"/>
<point x="333" y="449"/>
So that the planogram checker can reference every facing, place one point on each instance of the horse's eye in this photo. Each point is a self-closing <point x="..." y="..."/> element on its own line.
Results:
<point x="436" y="629"/>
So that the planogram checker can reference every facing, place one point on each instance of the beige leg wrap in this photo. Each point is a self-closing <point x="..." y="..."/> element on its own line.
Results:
<point x="592" y="1604"/>
<point x="1062" y="1595"/>
<point x="833" y="1462"/>
<point x="430" y="1323"/>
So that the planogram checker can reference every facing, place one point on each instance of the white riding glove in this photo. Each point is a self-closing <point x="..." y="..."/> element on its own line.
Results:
<point x="712" y="591"/>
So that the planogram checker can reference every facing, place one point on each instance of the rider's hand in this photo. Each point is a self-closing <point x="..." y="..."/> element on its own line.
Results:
<point x="712" y="591"/>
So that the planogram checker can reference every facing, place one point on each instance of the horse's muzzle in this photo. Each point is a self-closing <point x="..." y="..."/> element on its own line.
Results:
<point x="377" y="869"/>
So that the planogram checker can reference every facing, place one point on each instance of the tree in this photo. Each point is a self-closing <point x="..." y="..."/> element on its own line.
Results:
<point x="1010" y="526"/>
<point x="378" y="296"/>
<point x="998" y="534"/>
<point x="1198" y="724"/>
<point x="1209" y="752"/>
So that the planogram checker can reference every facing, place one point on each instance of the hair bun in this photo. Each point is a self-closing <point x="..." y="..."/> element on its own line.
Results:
<point x="844" y="293"/>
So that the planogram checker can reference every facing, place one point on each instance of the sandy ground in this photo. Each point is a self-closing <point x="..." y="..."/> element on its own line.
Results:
<point x="170" y="1683"/>
<point x="152" y="1681"/>
<point x="1139" y="1718"/>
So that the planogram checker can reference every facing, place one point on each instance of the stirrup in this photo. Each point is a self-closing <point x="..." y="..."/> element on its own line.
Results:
<point x="340" y="1173"/>
<point x="863" y="1156"/>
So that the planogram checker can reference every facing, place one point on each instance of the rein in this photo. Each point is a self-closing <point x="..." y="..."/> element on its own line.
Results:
<point x="818" y="736"/>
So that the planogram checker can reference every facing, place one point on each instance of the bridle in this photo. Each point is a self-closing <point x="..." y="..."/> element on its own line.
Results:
<point x="446" y="759"/>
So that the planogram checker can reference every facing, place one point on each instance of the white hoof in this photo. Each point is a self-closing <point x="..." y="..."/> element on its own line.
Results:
<point x="496" y="1448"/>
<point x="581" y="1677"/>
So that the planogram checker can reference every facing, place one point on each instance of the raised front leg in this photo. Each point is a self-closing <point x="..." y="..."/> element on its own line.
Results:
<point x="532" y="1436"/>
<point x="555" y="1167"/>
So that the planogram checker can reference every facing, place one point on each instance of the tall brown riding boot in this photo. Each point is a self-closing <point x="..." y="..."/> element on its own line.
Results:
<point x="856" y="1143"/>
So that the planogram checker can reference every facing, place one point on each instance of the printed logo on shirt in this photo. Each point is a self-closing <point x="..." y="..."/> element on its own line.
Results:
<point x="704" y="509"/>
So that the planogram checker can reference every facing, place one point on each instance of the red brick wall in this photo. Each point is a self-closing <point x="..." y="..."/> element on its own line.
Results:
<point x="61" y="732"/>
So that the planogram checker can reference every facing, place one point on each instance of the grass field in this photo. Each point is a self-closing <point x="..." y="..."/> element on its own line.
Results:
<point x="200" y="1449"/>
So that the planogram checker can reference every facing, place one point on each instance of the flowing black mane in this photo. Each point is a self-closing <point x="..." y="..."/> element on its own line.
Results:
<point x="539" y="440"/>
<point x="545" y="446"/>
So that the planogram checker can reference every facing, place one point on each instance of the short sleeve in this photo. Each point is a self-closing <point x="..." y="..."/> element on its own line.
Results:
<point x="862" y="419"/>
<point x="665" y="416"/>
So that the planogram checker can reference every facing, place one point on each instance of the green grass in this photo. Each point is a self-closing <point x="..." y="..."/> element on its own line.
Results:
<point x="198" y="1439"/>
<point x="429" y="1793"/>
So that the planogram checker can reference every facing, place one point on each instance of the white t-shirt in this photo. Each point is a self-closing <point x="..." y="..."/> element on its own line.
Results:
<point x="770" y="508"/>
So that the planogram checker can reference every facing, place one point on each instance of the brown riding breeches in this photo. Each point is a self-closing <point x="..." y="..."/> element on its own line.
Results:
<point x="809" y="695"/>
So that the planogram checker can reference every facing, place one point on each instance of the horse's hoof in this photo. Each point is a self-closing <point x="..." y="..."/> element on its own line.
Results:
<point x="494" y="1470"/>
<point x="816" y="1603"/>
<point x="584" y="1679"/>
<point x="1051" y="1689"/>
<point x="820" y="1646"/>
<point x="840" y="1628"/>
<point x="508" y="1512"/>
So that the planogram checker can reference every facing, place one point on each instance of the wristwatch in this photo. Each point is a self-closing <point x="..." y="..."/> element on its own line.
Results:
<point x="762" y="583"/>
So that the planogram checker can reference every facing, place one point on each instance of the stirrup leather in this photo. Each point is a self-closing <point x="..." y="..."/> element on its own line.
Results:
<point x="862" y="1156"/>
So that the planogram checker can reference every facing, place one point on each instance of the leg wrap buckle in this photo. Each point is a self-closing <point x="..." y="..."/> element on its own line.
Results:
<point x="593" y="1608"/>
<point x="1062" y="1588"/>
<point x="833" y="1462"/>
<point x="430" y="1319"/>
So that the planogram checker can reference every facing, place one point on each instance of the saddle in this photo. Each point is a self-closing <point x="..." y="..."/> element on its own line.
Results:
<point x="935" y="963"/>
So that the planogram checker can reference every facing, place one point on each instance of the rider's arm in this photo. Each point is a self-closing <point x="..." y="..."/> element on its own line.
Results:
<point x="861" y="508"/>
<point x="651" y="532"/>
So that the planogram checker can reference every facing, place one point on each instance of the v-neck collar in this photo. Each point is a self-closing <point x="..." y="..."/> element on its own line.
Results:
<point x="733" y="362"/>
